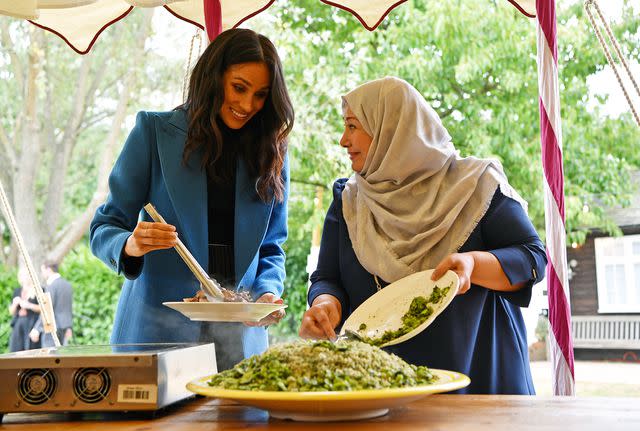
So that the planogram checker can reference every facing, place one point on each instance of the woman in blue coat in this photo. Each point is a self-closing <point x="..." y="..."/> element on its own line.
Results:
<point x="413" y="204"/>
<point x="216" y="169"/>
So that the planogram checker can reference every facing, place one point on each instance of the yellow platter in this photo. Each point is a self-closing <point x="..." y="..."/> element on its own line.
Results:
<point x="332" y="406"/>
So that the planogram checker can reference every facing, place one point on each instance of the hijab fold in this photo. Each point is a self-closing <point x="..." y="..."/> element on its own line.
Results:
<point x="415" y="200"/>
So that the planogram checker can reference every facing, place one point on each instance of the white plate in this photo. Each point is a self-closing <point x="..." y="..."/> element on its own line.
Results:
<point x="383" y="311"/>
<point x="332" y="406"/>
<point x="225" y="311"/>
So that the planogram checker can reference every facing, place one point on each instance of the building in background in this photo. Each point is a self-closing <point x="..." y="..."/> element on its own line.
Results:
<point x="605" y="289"/>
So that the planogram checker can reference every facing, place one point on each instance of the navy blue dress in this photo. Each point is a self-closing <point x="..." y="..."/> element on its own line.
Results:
<point x="482" y="333"/>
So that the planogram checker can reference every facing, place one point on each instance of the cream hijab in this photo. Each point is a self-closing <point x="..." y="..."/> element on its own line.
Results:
<point x="415" y="201"/>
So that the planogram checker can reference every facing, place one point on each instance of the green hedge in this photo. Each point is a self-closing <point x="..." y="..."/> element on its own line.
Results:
<point x="8" y="283"/>
<point x="95" y="296"/>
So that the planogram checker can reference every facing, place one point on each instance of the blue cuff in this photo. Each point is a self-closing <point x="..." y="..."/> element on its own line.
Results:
<point x="518" y="268"/>
<point x="259" y="291"/>
<point x="129" y="266"/>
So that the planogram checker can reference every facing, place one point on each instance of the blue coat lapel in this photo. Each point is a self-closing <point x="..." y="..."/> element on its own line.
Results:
<point x="187" y="188"/>
<point x="252" y="216"/>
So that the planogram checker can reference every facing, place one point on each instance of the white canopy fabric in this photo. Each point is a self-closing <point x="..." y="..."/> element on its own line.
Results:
<point x="80" y="22"/>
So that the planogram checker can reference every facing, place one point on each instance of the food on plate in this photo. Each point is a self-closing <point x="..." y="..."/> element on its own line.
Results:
<point x="229" y="296"/>
<point x="305" y="365"/>
<point x="419" y="311"/>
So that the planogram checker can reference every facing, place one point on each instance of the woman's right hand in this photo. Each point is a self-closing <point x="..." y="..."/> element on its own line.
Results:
<point x="14" y="305"/>
<point x="150" y="236"/>
<point x="320" y="320"/>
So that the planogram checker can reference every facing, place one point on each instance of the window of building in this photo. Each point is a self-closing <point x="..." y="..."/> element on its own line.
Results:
<point x="618" y="274"/>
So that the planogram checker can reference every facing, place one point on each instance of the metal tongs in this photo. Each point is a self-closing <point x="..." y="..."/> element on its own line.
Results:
<point x="211" y="288"/>
<point x="348" y="335"/>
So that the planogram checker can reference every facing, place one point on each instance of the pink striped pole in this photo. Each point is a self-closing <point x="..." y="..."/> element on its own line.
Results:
<point x="561" y="342"/>
<point x="212" y="18"/>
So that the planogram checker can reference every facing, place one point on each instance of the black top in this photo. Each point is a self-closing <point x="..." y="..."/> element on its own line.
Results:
<point x="221" y="206"/>
<point x="31" y="315"/>
<point x="21" y="326"/>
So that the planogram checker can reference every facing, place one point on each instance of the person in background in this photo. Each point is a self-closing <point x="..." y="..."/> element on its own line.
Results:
<point x="24" y="311"/>
<point x="62" y="302"/>
<point x="413" y="204"/>
<point x="216" y="169"/>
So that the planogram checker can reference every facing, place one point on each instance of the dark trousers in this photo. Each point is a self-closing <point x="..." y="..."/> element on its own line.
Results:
<point x="227" y="337"/>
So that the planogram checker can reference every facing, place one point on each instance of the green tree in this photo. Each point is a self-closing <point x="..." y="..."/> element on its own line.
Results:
<point x="95" y="295"/>
<point x="476" y="65"/>
<point x="63" y="118"/>
<point x="8" y="283"/>
<point x="62" y="123"/>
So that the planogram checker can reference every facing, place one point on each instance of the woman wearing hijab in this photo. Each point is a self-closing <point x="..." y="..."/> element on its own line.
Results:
<point x="216" y="169"/>
<point x="412" y="205"/>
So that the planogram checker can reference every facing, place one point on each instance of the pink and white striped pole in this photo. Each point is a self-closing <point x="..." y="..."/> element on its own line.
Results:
<point x="212" y="18"/>
<point x="561" y="342"/>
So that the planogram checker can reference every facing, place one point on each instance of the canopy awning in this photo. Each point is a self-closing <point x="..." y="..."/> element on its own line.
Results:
<point x="80" y="22"/>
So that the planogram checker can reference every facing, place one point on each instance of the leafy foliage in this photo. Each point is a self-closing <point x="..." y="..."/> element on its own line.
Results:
<point x="95" y="295"/>
<point x="297" y="249"/>
<point x="60" y="120"/>
<point x="8" y="283"/>
<point x="542" y="328"/>
<point x="477" y="67"/>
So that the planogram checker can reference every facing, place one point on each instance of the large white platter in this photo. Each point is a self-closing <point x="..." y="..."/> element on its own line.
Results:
<point x="225" y="311"/>
<point x="384" y="310"/>
<point x="332" y="406"/>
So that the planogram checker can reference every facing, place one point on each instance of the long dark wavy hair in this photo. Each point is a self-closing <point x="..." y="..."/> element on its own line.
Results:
<point x="269" y="127"/>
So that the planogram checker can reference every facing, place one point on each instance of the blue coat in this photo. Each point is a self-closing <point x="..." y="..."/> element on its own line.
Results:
<point x="481" y="333"/>
<point x="150" y="169"/>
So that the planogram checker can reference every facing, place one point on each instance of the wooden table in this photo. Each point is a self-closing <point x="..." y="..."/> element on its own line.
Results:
<point x="436" y="412"/>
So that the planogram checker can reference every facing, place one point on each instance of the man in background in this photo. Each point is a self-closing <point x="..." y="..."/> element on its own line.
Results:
<point x="62" y="301"/>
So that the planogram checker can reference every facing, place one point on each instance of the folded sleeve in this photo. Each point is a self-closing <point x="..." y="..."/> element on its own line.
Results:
<point x="512" y="239"/>
<point x="131" y="265"/>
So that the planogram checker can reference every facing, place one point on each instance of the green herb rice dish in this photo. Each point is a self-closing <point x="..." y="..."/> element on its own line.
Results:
<point x="419" y="311"/>
<point x="304" y="365"/>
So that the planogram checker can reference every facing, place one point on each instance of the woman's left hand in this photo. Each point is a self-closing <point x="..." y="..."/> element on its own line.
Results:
<point x="460" y="263"/>
<point x="272" y="318"/>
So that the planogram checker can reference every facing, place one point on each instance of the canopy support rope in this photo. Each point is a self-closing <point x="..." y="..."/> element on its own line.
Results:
<point x="588" y="4"/>
<point x="46" y="307"/>
<point x="190" y="60"/>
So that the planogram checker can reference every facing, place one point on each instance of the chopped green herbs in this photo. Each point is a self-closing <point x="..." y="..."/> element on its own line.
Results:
<point x="362" y="327"/>
<point x="419" y="311"/>
<point x="322" y="366"/>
